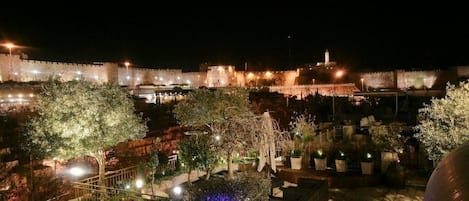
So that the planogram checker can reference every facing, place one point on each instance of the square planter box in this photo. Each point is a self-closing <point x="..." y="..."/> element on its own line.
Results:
<point x="296" y="163"/>
<point x="320" y="163"/>
<point x="341" y="165"/>
<point x="367" y="167"/>
<point x="386" y="159"/>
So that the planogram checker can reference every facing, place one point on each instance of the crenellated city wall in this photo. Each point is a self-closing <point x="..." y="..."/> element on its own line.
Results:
<point x="16" y="69"/>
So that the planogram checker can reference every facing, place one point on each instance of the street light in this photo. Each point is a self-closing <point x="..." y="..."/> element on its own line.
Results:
<point x="338" y="74"/>
<point x="9" y="46"/>
<point x="127" y="64"/>
<point x="361" y="80"/>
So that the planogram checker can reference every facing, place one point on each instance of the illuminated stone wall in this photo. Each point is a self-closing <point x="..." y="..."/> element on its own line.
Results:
<point x="17" y="69"/>
<point x="401" y="79"/>
<point x="462" y="71"/>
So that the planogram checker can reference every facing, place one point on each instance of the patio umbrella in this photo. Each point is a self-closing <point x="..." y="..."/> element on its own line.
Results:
<point x="267" y="144"/>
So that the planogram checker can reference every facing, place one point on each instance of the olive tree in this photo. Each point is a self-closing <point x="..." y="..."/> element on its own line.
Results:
<point x="80" y="118"/>
<point x="444" y="123"/>
<point x="197" y="152"/>
<point x="225" y="114"/>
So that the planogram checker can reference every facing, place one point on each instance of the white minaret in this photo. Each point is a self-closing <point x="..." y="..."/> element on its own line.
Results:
<point x="326" y="62"/>
<point x="326" y="57"/>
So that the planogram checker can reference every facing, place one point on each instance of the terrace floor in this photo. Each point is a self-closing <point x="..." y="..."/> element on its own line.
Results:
<point x="352" y="186"/>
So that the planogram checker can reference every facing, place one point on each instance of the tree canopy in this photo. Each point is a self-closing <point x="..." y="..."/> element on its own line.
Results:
<point x="444" y="123"/>
<point x="223" y="113"/>
<point x="79" y="118"/>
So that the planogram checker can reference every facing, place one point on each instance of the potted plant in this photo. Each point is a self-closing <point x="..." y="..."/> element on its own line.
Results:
<point x="303" y="130"/>
<point x="295" y="159"/>
<point x="389" y="142"/>
<point x="341" y="162"/>
<point x="367" y="164"/>
<point x="320" y="160"/>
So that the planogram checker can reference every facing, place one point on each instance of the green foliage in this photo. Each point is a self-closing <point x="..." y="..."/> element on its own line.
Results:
<point x="203" y="107"/>
<point x="296" y="153"/>
<point x="444" y="124"/>
<point x="246" y="186"/>
<point x="319" y="154"/>
<point x="303" y="128"/>
<point x="388" y="138"/>
<point x="223" y="113"/>
<point x="368" y="157"/>
<point x="340" y="155"/>
<point x="197" y="152"/>
<point x="80" y="118"/>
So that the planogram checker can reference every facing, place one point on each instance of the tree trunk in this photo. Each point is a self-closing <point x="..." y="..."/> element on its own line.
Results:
<point x="152" y="182"/>
<point x="100" y="158"/>
<point x="189" y="176"/>
<point x="230" y="166"/>
<point x="32" y="176"/>
<point x="207" y="174"/>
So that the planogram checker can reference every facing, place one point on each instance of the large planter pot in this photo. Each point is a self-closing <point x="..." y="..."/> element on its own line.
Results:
<point x="340" y="165"/>
<point x="367" y="168"/>
<point x="295" y="163"/>
<point x="320" y="163"/>
<point x="348" y="131"/>
<point x="395" y="176"/>
<point x="387" y="158"/>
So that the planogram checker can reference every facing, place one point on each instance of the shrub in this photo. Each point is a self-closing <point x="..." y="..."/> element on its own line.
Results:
<point x="245" y="186"/>
<point x="340" y="155"/>
<point x="367" y="158"/>
<point x="319" y="154"/>
<point x="295" y="153"/>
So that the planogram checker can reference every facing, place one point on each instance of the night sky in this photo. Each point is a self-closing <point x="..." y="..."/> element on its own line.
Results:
<point x="364" y="38"/>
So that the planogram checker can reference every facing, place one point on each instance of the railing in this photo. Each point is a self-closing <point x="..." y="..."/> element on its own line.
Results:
<point x="115" y="186"/>
<point x="88" y="192"/>
<point x="112" y="178"/>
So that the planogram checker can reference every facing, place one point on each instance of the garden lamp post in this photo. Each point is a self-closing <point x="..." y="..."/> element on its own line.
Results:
<point x="338" y="74"/>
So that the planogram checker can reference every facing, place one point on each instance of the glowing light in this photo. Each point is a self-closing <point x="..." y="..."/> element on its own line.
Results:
<point x="31" y="95"/>
<point x="339" y="73"/>
<point x="127" y="64"/>
<point x="177" y="190"/>
<point x="368" y="156"/>
<point x="35" y="71"/>
<point x="9" y="45"/>
<point x="250" y="75"/>
<point x="20" y="95"/>
<point x="188" y="81"/>
<point x="217" y="137"/>
<point x="139" y="183"/>
<point x="138" y="79"/>
<point x="77" y="171"/>
<point x="9" y="95"/>
<point x="127" y="186"/>
<point x="178" y="77"/>
<point x="79" y="72"/>
<point x="221" y="68"/>
<point x="96" y="77"/>
<point x="156" y="77"/>
<point x="161" y="78"/>
<point x="128" y="77"/>
<point x="320" y="152"/>
<point x="15" y="73"/>
<point x="268" y="74"/>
